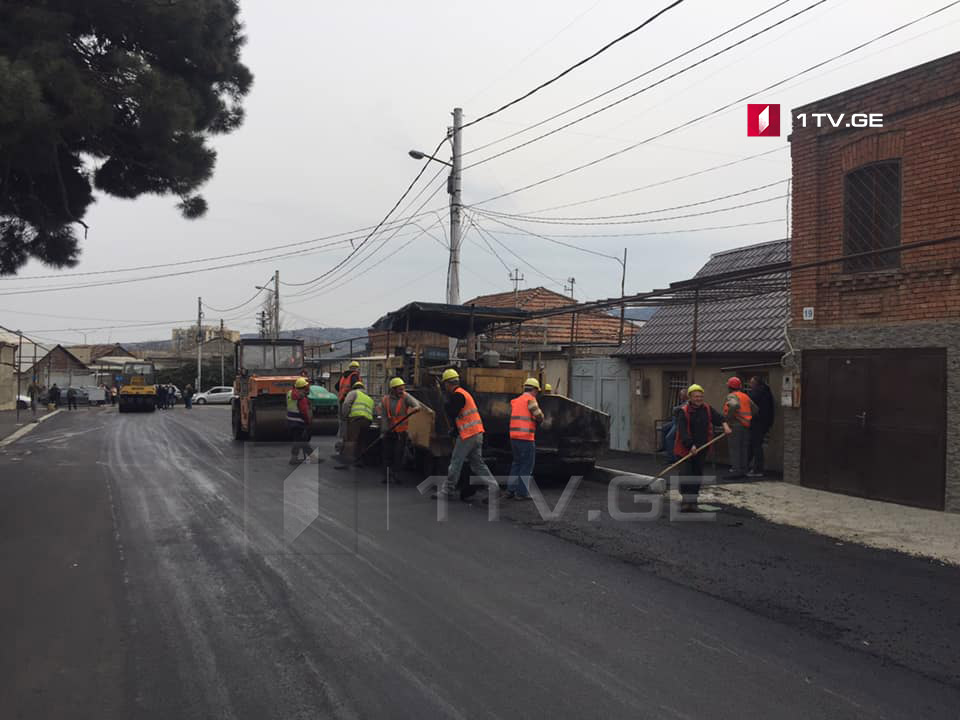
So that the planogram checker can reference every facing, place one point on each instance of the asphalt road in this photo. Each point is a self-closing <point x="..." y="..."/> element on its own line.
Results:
<point x="156" y="569"/>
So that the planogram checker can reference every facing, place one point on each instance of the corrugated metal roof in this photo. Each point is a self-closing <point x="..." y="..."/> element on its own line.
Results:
<point x="743" y="325"/>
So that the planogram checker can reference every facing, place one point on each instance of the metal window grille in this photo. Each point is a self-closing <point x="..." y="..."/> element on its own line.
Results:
<point x="674" y="382"/>
<point x="871" y="216"/>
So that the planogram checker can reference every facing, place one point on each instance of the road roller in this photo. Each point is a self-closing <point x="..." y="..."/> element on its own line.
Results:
<point x="266" y="371"/>
<point x="137" y="391"/>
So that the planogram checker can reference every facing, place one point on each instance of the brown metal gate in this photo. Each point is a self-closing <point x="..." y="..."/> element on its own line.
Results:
<point x="874" y="424"/>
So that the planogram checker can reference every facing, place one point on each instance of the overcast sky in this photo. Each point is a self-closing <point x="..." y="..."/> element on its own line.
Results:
<point x="343" y="90"/>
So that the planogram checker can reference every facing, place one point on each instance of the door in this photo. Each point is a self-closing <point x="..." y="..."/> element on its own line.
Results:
<point x="604" y="384"/>
<point x="874" y="424"/>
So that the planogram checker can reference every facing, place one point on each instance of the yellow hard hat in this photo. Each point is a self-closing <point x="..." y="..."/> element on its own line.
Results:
<point x="532" y="382"/>
<point x="354" y="364"/>
<point x="396" y="382"/>
<point x="358" y="384"/>
<point x="694" y="388"/>
<point x="548" y="387"/>
<point x="450" y="374"/>
<point x="301" y="382"/>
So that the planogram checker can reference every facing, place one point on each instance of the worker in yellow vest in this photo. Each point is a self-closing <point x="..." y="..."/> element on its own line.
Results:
<point x="525" y="415"/>
<point x="738" y="411"/>
<point x="398" y="405"/>
<point x="467" y="429"/>
<point x="356" y="413"/>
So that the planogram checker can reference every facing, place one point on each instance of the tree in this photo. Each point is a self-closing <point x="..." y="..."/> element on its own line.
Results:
<point x="118" y="95"/>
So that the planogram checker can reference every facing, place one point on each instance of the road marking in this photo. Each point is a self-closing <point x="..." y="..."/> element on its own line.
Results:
<point x="29" y="427"/>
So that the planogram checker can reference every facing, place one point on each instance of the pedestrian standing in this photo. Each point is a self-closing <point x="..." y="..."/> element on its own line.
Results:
<point x="113" y="395"/>
<point x="106" y="394"/>
<point x="54" y="395"/>
<point x="71" y="398"/>
<point x="188" y="396"/>
<point x="695" y="421"/>
<point x="762" y="397"/>
<point x="298" y="420"/>
<point x="398" y="405"/>
<point x="467" y="429"/>
<point x="161" y="401"/>
<point x="525" y="415"/>
<point x="344" y="386"/>
<point x="356" y="414"/>
<point x="738" y="411"/>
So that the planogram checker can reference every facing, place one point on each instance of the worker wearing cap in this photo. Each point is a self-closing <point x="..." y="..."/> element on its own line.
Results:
<point x="739" y="411"/>
<point x="695" y="420"/>
<point x="345" y="384"/>
<point x="525" y="415"/>
<point x="298" y="420"/>
<point x="467" y="428"/>
<point x="398" y="406"/>
<point x="356" y="414"/>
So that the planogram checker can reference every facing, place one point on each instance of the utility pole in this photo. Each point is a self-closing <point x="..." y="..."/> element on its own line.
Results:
<point x="569" y="288"/>
<point x="199" y="342"/>
<point x="453" y="271"/>
<point x="623" y="285"/>
<point x="276" y="304"/>
<point x="516" y="278"/>
<point x="221" y="352"/>
<point x="19" y="371"/>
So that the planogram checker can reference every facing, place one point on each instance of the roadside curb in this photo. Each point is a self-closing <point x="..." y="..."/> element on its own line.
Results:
<point x="29" y="427"/>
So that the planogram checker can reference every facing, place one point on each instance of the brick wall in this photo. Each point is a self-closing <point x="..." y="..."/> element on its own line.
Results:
<point x="921" y="108"/>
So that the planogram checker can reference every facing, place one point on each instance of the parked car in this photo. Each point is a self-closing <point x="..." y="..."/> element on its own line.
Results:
<point x="221" y="395"/>
<point x="83" y="397"/>
<point x="23" y="402"/>
<point x="89" y="394"/>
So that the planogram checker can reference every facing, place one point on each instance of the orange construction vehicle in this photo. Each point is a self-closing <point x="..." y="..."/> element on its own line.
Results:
<point x="266" y="370"/>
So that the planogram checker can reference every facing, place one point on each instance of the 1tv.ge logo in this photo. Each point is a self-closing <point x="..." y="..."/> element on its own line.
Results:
<point x="763" y="120"/>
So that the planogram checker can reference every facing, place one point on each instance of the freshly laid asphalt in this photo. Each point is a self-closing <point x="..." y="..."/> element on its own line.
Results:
<point x="154" y="568"/>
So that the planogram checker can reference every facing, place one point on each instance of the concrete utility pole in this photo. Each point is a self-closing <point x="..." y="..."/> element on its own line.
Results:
<point x="221" y="352"/>
<point x="276" y="304"/>
<point x="19" y="365"/>
<point x="516" y="278"/>
<point x="453" y="271"/>
<point x="623" y="285"/>
<point x="199" y="342"/>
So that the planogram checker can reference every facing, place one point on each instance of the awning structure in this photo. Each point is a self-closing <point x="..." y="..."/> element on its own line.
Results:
<point x="456" y="321"/>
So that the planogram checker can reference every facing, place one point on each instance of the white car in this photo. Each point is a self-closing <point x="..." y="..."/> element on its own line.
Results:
<point x="221" y="395"/>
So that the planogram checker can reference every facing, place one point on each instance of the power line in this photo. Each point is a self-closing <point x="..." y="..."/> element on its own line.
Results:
<point x="487" y="242"/>
<point x="648" y="87"/>
<point x="573" y="67"/>
<point x="510" y="250"/>
<point x="380" y="224"/>
<point x="583" y="219"/>
<point x="557" y="242"/>
<point x="237" y="307"/>
<point x="660" y="183"/>
<point x="716" y="111"/>
<point x="656" y="232"/>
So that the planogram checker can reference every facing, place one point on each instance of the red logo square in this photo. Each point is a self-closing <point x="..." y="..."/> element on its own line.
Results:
<point x="763" y="120"/>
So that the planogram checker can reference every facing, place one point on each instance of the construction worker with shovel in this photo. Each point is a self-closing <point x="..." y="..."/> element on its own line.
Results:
<point x="468" y="436"/>
<point x="695" y="421"/>
<point x="398" y="406"/>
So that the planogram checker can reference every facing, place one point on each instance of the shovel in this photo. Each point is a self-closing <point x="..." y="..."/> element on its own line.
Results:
<point x="363" y="452"/>
<point x="678" y="463"/>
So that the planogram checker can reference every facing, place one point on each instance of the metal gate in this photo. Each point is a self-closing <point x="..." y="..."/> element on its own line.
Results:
<point x="874" y="424"/>
<point x="604" y="384"/>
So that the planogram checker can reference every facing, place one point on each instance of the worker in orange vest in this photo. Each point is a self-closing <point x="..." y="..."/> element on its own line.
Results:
<point x="738" y="411"/>
<point x="525" y="415"/>
<point x="398" y="405"/>
<point x="467" y="429"/>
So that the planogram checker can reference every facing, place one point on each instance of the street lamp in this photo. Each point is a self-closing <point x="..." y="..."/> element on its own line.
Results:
<point x="418" y="155"/>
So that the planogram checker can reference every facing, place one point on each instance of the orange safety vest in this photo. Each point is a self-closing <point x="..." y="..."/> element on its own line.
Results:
<point x="396" y="408"/>
<point x="346" y="384"/>
<point x="468" y="421"/>
<point x="745" y="412"/>
<point x="522" y="424"/>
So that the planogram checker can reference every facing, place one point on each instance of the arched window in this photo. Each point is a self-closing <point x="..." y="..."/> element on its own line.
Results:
<point x="871" y="216"/>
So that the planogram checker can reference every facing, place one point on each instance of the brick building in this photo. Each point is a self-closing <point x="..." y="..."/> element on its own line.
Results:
<point x="876" y="337"/>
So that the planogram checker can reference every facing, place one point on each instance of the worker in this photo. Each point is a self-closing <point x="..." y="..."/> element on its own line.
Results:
<point x="525" y="415"/>
<point x="467" y="429"/>
<point x="345" y="384"/>
<point x="548" y="389"/>
<point x="738" y="411"/>
<point x="356" y="414"/>
<point x="398" y="405"/>
<point x="695" y="421"/>
<point x="760" y="425"/>
<point x="298" y="420"/>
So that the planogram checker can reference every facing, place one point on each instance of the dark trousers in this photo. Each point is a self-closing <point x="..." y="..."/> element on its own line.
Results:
<point x="394" y="445"/>
<point x="757" y="435"/>
<point x="301" y="439"/>
<point x="739" y="444"/>
<point x="71" y="403"/>
<point x="353" y="435"/>
<point x="690" y="479"/>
